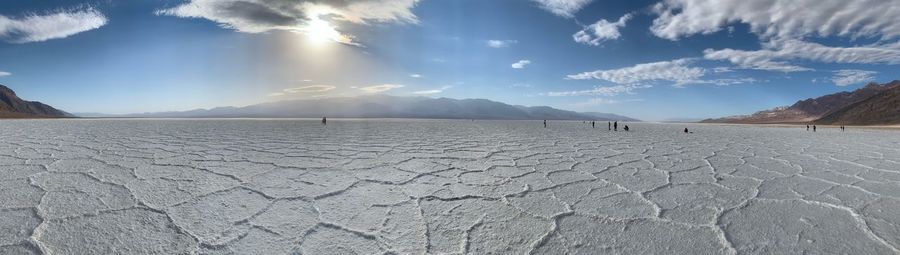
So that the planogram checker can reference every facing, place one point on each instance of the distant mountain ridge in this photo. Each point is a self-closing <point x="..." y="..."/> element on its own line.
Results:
<point x="870" y="105"/>
<point x="383" y="106"/>
<point x="11" y="106"/>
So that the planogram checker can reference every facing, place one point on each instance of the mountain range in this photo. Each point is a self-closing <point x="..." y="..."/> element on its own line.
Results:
<point x="384" y="106"/>
<point x="873" y="104"/>
<point x="11" y="106"/>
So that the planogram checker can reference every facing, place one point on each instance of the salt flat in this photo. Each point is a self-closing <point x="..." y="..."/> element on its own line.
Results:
<point x="439" y="187"/>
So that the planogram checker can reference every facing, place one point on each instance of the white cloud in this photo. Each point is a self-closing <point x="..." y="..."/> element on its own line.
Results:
<point x="521" y="64"/>
<point x="432" y="91"/>
<point x="312" y="89"/>
<point x="759" y="60"/>
<point x="722" y="82"/>
<point x="380" y="88"/>
<point x="564" y="8"/>
<point x="55" y="25"/>
<point x="785" y="27"/>
<point x="601" y="91"/>
<point x="675" y="71"/>
<point x="257" y="16"/>
<point x="2" y="73"/>
<point x="774" y="54"/>
<point x="500" y="43"/>
<point x="605" y="101"/>
<point x="779" y="18"/>
<point x="850" y="76"/>
<point x="638" y="76"/>
<point x="722" y="69"/>
<point x="601" y="31"/>
<point x="415" y="75"/>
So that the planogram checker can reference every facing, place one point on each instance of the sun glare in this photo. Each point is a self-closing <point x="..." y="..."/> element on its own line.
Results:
<point x="321" y="31"/>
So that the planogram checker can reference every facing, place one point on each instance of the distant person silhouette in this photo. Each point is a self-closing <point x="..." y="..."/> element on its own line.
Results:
<point x="685" y="130"/>
<point x="609" y="125"/>
<point x="616" y="126"/>
<point x="593" y="124"/>
<point x="545" y="123"/>
<point x="626" y="127"/>
<point x="324" y="121"/>
<point x="814" y="128"/>
<point x="807" y="127"/>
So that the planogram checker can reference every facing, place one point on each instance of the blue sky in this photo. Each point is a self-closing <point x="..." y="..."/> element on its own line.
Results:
<point x="652" y="60"/>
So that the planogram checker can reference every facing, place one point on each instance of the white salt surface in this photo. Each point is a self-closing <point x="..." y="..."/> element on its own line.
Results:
<point x="443" y="187"/>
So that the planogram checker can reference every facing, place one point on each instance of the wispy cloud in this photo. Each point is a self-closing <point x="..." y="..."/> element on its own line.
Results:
<point x="779" y="18"/>
<point x="773" y="55"/>
<point x="312" y="89"/>
<point x="675" y="71"/>
<point x="251" y="16"/>
<point x="604" y="101"/>
<point x="785" y="33"/>
<point x="52" y="25"/>
<point x="500" y="43"/>
<point x="600" y="31"/>
<point x="641" y="76"/>
<point x="601" y="91"/>
<point x="415" y="75"/>
<point x="432" y="91"/>
<point x="850" y="76"/>
<point x="563" y="8"/>
<point x="722" y="69"/>
<point x="2" y="73"/>
<point x="521" y="64"/>
<point x="380" y="88"/>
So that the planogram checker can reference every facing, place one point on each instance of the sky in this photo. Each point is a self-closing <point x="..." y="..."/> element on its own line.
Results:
<point x="651" y="60"/>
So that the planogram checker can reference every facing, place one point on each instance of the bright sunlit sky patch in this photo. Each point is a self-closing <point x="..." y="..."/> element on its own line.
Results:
<point x="652" y="60"/>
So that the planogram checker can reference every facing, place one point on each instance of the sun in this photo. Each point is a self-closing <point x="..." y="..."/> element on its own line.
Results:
<point x="320" y="31"/>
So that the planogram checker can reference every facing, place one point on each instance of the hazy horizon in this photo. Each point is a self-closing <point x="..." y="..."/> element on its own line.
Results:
<point x="650" y="60"/>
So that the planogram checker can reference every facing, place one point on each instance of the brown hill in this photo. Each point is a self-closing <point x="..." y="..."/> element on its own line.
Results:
<point x="812" y="109"/>
<point x="880" y="109"/>
<point x="11" y="106"/>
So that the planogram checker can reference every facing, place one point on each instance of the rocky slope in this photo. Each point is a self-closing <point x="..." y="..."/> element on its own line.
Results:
<point x="11" y="106"/>
<point x="883" y="108"/>
<point x="825" y="109"/>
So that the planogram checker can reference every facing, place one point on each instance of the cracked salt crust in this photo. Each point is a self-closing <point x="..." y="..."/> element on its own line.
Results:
<point x="442" y="187"/>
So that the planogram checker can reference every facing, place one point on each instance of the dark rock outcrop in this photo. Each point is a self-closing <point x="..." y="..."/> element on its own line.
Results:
<point x="11" y="106"/>
<point x="840" y="108"/>
<point x="880" y="109"/>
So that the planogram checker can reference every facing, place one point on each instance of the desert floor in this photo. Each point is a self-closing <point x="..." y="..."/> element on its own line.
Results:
<point x="80" y="186"/>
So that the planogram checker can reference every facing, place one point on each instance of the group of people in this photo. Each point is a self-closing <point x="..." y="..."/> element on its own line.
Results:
<point x="614" y="126"/>
<point x="842" y="127"/>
